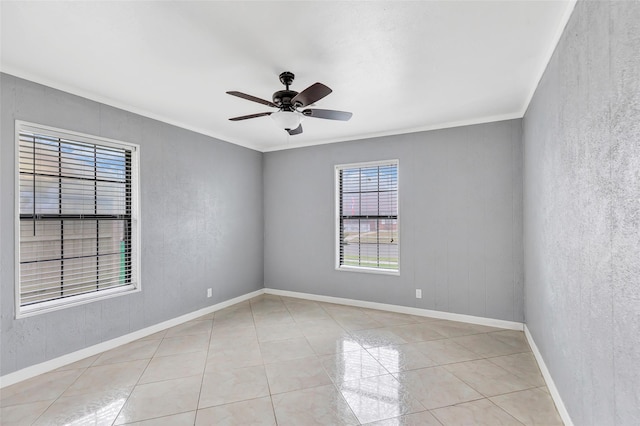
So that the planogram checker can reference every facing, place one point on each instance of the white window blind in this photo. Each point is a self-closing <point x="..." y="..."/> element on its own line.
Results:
<point x="368" y="216"/>
<point x="77" y="218"/>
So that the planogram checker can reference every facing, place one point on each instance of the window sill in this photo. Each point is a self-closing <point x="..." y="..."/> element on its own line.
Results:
<point x="56" y="305"/>
<point x="368" y="270"/>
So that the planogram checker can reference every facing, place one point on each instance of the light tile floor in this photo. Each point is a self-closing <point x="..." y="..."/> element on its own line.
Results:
<point x="282" y="361"/>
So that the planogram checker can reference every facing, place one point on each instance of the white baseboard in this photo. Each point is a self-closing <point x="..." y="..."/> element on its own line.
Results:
<point x="510" y="325"/>
<point x="553" y="390"/>
<point x="44" y="367"/>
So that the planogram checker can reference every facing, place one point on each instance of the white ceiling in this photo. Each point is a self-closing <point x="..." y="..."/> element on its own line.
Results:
<point x="398" y="66"/>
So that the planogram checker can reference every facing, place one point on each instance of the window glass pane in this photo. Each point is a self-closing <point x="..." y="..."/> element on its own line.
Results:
<point x="77" y="160"/>
<point x="112" y="234"/>
<point x="78" y="196"/>
<point x="369" y="206"/>
<point x="80" y="238"/>
<point x="47" y="193"/>
<point x="40" y="240"/>
<point x="46" y="156"/>
<point x="40" y="281"/>
<point x="79" y="276"/>
<point x="351" y="227"/>
<point x="350" y="180"/>
<point x="388" y="203"/>
<point x="367" y="231"/>
<point x="351" y="251"/>
<point x="111" y="165"/>
<point x="369" y="255"/>
<point x="351" y="204"/>
<point x="25" y="151"/>
<point x="369" y="179"/>
<point x="115" y="264"/>
<point x="388" y="178"/>
<point x="111" y="198"/>
<point x="26" y="194"/>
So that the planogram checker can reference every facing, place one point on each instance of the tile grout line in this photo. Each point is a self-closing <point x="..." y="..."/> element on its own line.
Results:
<point x="56" y="399"/>
<point x="335" y="387"/>
<point x="273" y="407"/>
<point x="204" y="369"/>
<point x="142" y="374"/>
<point x="85" y="369"/>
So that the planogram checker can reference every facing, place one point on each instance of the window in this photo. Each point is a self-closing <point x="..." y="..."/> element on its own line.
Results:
<point x="77" y="228"/>
<point x="367" y="217"/>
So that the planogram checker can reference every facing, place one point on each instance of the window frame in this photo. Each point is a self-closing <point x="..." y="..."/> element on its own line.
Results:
<point x="62" y="303"/>
<point x="350" y="268"/>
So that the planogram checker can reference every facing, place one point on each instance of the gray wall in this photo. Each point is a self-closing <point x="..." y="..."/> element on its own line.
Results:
<point x="582" y="214"/>
<point x="460" y="220"/>
<point x="201" y="221"/>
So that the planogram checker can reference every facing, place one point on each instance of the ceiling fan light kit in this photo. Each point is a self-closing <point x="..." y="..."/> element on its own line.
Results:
<point x="287" y="120"/>
<point x="289" y="116"/>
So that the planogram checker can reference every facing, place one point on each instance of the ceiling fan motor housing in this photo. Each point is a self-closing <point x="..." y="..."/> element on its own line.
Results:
<point x="282" y="98"/>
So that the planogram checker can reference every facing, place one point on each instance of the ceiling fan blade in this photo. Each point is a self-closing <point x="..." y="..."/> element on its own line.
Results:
<point x="311" y="94"/>
<point x="296" y="131"/>
<point x="246" y="117"/>
<point x="328" y="114"/>
<point x="252" y="98"/>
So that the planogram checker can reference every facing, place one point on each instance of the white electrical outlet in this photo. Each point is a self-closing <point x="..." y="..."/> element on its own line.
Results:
<point x="209" y="292"/>
<point x="418" y="293"/>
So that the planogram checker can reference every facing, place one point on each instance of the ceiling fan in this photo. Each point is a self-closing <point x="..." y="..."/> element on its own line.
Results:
<point x="289" y="104"/>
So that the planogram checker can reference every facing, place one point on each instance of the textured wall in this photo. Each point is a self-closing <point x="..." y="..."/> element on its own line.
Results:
<point x="201" y="221"/>
<point x="460" y="220"/>
<point x="582" y="214"/>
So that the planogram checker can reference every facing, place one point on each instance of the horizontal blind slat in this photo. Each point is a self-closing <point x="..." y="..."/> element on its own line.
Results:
<point x="56" y="289"/>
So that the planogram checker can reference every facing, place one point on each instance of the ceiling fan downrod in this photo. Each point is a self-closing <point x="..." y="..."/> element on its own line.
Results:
<point x="282" y="98"/>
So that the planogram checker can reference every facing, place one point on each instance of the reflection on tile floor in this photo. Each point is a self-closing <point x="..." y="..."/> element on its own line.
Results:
<point x="283" y="361"/>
